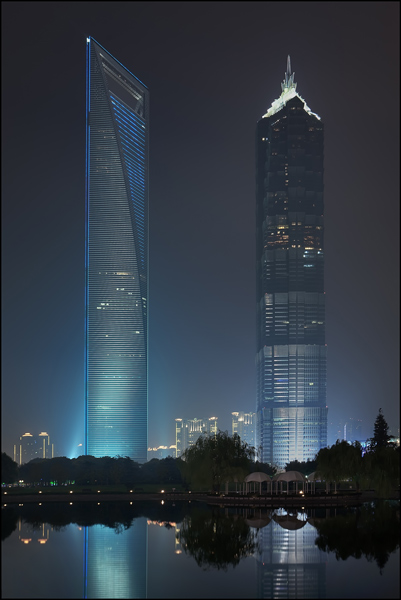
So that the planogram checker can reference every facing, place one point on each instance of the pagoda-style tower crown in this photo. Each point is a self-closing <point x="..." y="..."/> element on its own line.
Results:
<point x="288" y="91"/>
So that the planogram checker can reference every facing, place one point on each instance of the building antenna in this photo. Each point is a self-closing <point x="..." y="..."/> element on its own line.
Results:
<point x="288" y="82"/>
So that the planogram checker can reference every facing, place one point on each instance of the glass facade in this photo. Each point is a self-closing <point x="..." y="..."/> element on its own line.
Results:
<point x="291" y="350"/>
<point x="116" y="343"/>
<point x="187" y="432"/>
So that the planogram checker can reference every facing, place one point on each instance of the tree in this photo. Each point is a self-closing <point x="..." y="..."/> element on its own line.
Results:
<point x="32" y="472"/>
<point x="380" y="437"/>
<point x="305" y="467"/>
<point x="58" y="470"/>
<point x="382" y="470"/>
<point x="263" y="468"/>
<point x="9" y="469"/>
<point x="214" y="460"/>
<point x="339" y="462"/>
<point x="165" y="470"/>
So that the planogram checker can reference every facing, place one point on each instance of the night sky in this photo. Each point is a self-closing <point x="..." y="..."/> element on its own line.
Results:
<point x="212" y="69"/>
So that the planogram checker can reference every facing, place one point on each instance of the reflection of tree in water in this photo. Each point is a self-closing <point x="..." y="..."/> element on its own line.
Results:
<point x="9" y="519"/>
<point x="371" y="530"/>
<point x="216" y="540"/>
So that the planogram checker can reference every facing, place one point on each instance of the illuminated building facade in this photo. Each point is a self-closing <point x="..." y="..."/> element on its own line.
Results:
<point x="161" y="452"/>
<point x="187" y="432"/>
<point x="116" y="332"/>
<point x="33" y="446"/>
<point x="291" y="350"/>
<point x="244" y="424"/>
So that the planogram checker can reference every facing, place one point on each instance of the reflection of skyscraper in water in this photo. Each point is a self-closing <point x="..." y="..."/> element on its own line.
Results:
<point x="29" y="533"/>
<point x="177" y="541"/>
<point x="115" y="565"/>
<point x="289" y="565"/>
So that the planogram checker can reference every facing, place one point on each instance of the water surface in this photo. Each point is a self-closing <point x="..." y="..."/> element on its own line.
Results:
<point x="190" y="550"/>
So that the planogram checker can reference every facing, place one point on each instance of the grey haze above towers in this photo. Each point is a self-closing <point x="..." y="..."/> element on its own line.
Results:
<point x="116" y="319"/>
<point x="291" y="351"/>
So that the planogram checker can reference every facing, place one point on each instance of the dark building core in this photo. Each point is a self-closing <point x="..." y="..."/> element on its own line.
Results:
<point x="291" y="351"/>
<point x="116" y="391"/>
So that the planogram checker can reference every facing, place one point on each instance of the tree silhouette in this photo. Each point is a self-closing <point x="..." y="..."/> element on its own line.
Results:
<point x="9" y="469"/>
<point x="306" y="467"/>
<point x="380" y="437"/>
<point x="340" y="462"/>
<point x="382" y="470"/>
<point x="213" y="460"/>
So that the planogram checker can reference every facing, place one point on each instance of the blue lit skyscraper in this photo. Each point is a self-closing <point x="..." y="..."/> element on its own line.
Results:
<point x="116" y="343"/>
<point x="291" y="350"/>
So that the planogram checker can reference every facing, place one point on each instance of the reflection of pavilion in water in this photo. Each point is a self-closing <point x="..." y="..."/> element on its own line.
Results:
<point x="30" y="534"/>
<point x="289" y="565"/>
<point x="115" y="564"/>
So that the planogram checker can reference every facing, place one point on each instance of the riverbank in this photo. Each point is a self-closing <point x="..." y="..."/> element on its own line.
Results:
<point x="281" y="500"/>
<point x="296" y="501"/>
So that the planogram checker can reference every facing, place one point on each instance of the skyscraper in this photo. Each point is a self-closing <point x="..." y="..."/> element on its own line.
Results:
<point x="244" y="424"/>
<point x="33" y="446"/>
<point x="116" y="343"/>
<point x="187" y="432"/>
<point x="291" y="350"/>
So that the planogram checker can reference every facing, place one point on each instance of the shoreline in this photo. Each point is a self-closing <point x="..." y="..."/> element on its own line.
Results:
<point x="224" y="501"/>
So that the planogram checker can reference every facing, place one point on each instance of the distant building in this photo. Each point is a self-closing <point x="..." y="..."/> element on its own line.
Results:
<point x="244" y="424"/>
<point x="161" y="452"/>
<point x="349" y="430"/>
<point x="353" y="430"/>
<point x="33" y="446"/>
<point x="187" y="432"/>
<point x="335" y="431"/>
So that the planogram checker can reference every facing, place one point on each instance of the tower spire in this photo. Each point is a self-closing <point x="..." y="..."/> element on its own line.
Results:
<point x="288" y="82"/>
<point x="288" y="91"/>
